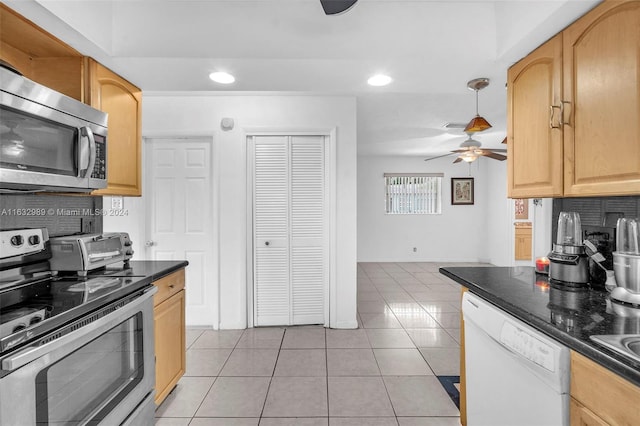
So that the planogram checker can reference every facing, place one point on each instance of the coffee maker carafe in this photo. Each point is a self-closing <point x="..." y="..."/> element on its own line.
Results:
<point x="568" y="261"/>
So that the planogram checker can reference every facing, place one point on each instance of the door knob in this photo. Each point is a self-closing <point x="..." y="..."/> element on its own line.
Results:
<point x="150" y="243"/>
<point x="266" y="243"/>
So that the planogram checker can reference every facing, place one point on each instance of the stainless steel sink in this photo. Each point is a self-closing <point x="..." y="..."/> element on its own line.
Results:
<point x="625" y="344"/>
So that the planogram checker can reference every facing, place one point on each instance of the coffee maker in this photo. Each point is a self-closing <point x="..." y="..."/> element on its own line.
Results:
<point x="568" y="261"/>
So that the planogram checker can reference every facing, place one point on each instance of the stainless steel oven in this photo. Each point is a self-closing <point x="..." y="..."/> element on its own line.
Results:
<point x="49" y="141"/>
<point x="95" y="370"/>
<point x="73" y="350"/>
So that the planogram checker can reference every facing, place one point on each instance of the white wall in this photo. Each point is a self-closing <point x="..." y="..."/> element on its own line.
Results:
<point x="199" y="115"/>
<point x="483" y="232"/>
<point x="499" y="216"/>
<point x="543" y="220"/>
<point x="459" y="234"/>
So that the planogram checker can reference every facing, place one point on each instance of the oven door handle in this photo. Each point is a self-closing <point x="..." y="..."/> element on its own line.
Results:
<point x="80" y="337"/>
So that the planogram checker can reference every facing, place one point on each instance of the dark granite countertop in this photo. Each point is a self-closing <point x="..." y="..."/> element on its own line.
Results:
<point x="570" y="317"/>
<point x="155" y="269"/>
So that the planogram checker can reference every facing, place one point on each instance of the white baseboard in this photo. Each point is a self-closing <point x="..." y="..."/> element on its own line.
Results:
<point x="345" y="325"/>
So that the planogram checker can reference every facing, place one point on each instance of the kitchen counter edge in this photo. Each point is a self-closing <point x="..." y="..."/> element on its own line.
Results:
<point x="616" y="364"/>
<point x="156" y="269"/>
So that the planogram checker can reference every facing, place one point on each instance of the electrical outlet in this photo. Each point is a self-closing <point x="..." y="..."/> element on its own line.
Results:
<point x="415" y="249"/>
<point x="117" y="203"/>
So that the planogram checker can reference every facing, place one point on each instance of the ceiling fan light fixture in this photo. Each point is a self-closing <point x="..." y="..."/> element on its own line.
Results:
<point x="469" y="157"/>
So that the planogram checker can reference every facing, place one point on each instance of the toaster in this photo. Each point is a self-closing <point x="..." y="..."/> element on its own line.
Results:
<point x="86" y="252"/>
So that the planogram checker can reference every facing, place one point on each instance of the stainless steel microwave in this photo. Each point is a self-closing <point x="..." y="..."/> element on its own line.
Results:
<point x="49" y="141"/>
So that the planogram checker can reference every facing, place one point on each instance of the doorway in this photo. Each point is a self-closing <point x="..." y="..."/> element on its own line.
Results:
<point x="180" y="221"/>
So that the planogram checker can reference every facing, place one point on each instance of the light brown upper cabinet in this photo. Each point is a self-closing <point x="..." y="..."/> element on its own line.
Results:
<point x="534" y="138"/>
<point x="39" y="56"/>
<point x="122" y="100"/>
<point x="601" y="60"/>
<point x="574" y="107"/>
<point x="47" y="60"/>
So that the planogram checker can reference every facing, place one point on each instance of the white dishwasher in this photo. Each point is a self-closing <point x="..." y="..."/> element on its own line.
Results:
<point x="515" y="376"/>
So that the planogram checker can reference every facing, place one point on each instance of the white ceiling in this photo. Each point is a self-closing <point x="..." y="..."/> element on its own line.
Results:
<point x="430" y="48"/>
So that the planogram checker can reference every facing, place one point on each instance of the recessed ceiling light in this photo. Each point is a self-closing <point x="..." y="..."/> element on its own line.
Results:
<point x="379" y="80"/>
<point x="222" y="77"/>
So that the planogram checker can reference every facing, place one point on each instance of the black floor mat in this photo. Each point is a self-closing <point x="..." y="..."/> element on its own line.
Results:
<point x="448" y="383"/>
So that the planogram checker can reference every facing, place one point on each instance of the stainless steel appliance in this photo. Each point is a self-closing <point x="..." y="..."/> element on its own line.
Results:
<point x="74" y="350"/>
<point x="86" y="252"/>
<point x="49" y="141"/>
<point x="626" y="262"/>
<point x="568" y="261"/>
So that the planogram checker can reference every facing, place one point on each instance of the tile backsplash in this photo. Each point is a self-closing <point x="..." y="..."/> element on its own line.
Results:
<point x="596" y="212"/>
<point x="60" y="214"/>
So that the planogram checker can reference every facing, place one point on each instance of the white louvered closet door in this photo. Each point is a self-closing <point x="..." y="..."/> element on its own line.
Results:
<point x="290" y="230"/>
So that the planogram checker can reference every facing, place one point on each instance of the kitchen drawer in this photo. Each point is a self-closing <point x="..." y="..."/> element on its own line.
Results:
<point x="168" y="286"/>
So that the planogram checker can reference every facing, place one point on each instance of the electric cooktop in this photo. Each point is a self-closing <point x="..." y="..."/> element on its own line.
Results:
<point x="38" y="306"/>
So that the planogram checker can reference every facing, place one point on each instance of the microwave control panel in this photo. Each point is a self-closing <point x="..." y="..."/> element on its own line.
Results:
<point x="100" y="166"/>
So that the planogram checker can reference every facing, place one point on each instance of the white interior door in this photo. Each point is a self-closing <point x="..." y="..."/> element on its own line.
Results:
<point x="290" y="230"/>
<point x="180" y="226"/>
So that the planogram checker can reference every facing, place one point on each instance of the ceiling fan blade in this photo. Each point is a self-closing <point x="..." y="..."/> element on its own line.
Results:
<point x="334" y="7"/>
<point x="457" y="160"/>
<point x="494" y="150"/>
<point x="493" y="155"/>
<point x="439" y="156"/>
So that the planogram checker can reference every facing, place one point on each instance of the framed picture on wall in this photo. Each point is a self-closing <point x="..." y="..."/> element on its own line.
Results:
<point x="462" y="191"/>
<point x="521" y="208"/>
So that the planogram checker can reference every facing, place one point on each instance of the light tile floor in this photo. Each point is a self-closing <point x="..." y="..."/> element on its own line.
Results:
<point x="383" y="373"/>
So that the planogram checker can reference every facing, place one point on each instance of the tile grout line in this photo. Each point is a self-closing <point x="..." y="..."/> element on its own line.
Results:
<point x="326" y="363"/>
<point x="264" y="404"/>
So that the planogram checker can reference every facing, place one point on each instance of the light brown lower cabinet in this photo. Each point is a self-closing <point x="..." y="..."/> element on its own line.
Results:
<point x="523" y="242"/>
<point x="600" y="397"/>
<point x="170" y="343"/>
<point x="582" y="416"/>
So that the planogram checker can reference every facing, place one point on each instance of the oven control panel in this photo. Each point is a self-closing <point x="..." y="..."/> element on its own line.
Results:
<point x="20" y="242"/>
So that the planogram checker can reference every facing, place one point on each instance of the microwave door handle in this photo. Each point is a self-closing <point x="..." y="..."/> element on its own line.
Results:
<point x="86" y="152"/>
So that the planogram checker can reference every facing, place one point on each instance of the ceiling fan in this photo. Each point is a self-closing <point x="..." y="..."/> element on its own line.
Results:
<point x="470" y="150"/>
<point x="334" y="7"/>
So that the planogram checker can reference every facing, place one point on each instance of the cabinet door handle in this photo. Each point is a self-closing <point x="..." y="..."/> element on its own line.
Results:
<point x="552" y="110"/>
<point x="266" y="243"/>
<point x="562" y="122"/>
<point x="171" y="286"/>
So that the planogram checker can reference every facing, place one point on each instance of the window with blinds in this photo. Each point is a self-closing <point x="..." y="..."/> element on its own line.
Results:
<point x="417" y="193"/>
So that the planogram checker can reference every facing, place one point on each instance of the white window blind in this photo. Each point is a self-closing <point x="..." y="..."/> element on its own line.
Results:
<point x="417" y="193"/>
